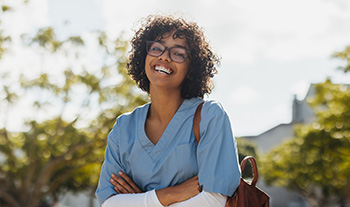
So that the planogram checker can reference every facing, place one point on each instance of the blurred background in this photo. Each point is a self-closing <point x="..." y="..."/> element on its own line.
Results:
<point x="283" y="80"/>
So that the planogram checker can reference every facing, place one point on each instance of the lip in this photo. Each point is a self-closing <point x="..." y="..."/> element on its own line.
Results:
<point x="162" y="65"/>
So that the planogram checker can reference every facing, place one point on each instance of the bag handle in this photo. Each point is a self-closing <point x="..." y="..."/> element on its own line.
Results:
<point x="196" y="121"/>
<point x="255" y="168"/>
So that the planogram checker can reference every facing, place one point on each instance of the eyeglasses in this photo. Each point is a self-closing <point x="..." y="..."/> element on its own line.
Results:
<point x="176" y="54"/>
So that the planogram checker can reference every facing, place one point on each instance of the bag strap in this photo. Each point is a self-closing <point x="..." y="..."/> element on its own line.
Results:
<point x="255" y="168"/>
<point x="196" y="121"/>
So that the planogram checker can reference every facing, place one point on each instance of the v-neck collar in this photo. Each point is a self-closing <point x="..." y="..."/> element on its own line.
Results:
<point x="155" y="150"/>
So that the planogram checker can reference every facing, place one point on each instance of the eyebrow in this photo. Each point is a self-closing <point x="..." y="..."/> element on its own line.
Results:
<point x="176" y="45"/>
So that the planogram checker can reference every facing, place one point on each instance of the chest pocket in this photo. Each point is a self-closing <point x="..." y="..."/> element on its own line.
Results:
<point x="186" y="160"/>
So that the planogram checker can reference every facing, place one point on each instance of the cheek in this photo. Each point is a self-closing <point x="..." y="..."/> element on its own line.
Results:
<point x="185" y="69"/>
<point x="147" y="64"/>
<point x="147" y="60"/>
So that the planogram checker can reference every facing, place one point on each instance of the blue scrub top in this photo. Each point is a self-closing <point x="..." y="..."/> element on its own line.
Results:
<point x="176" y="156"/>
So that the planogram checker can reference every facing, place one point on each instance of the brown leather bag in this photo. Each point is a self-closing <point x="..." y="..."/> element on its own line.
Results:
<point x="246" y="195"/>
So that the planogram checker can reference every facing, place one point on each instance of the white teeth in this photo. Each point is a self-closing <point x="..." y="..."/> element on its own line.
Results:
<point x="162" y="69"/>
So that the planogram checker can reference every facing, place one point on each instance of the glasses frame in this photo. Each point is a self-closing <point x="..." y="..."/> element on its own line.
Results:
<point x="167" y="48"/>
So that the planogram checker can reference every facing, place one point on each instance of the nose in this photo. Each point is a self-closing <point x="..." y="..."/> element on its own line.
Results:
<point x="165" y="56"/>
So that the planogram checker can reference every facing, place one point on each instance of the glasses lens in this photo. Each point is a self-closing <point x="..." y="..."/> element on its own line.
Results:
<point x="178" y="54"/>
<point x="155" y="48"/>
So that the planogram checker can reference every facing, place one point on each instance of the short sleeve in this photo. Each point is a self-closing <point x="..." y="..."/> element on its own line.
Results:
<point x="217" y="155"/>
<point x="110" y="165"/>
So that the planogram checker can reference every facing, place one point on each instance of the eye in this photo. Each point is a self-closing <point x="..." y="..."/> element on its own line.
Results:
<point x="157" y="47"/>
<point x="180" y="55"/>
<point x="179" y="52"/>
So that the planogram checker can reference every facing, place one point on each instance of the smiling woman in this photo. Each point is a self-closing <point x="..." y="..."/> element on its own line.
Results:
<point x="202" y="59"/>
<point x="152" y="158"/>
<point x="166" y="75"/>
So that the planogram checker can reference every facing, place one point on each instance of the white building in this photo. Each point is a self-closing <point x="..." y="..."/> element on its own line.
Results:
<point x="301" y="113"/>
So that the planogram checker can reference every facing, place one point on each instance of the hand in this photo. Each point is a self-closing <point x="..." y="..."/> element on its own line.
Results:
<point x="124" y="184"/>
<point x="178" y="193"/>
<point x="188" y="189"/>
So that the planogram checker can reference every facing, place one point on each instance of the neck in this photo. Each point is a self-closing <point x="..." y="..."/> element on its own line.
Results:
<point x="164" y="105"/>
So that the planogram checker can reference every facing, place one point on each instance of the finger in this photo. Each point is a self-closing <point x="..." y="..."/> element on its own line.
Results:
<point x="119" y="184"/>
<point x="113" y="180"/>
<point x="118" y="188"/>
<point x="122" y="182"/>
<point x="130" y="182"/>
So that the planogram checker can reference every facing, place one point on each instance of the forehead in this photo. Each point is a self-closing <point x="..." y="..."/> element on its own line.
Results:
<point x="173" y="38"/>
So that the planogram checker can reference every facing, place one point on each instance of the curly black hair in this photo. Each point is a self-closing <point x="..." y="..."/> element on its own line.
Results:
<point x="203" y="61"/>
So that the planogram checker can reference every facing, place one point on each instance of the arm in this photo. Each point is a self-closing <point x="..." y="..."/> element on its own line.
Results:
<point x="106" y="193"/>
<point x="217" y="147"/>
<point x="179" y="193"/>
<point x="183" y="195"/>
<point x="149" y="199"/>
<point x="111" y="164"/>
<point x="203" y="199"/>
<point x="166" y="196"/>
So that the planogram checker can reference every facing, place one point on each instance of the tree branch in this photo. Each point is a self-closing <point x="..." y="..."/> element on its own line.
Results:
<point x="9" y="199"/>
<point x="66" y="175"/>
<point x="46" y="173"/>
<point x="32" y="167"/>
<point x="59" y="180"/>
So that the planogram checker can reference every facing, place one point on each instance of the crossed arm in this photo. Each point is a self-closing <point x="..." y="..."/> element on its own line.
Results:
<point x="187" y="193"/>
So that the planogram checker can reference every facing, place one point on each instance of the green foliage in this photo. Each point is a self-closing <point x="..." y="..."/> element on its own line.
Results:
<point x="3" y="38"/>
<point x="46" y="160"/>
<point x="46" y="38"/>
<point x="5" y="8"/>
<point x="63" y="151"/>
<point x="247" y="148"/>
<point x="316" y="163"/>
<point x="344" y="55"/>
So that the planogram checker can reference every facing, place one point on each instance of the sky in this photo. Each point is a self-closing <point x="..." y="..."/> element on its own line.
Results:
<point x="270" y="50"/>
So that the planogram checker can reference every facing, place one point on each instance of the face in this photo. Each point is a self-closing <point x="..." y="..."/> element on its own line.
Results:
<point x="162" y="71"/>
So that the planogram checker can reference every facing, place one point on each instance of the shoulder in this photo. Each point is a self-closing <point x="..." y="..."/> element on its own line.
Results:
<point x="214" y="115"/>
<point x="132" y="116"/>
<point x="213" y="108"/>
<point x="122" y="126"/>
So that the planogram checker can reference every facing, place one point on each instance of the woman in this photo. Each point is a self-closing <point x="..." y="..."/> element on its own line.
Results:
<point x="153" y="149"/>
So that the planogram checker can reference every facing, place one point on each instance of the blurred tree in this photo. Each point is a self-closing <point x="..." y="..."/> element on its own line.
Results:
<point x="247" y="148"/>
<point x="344" y="55"/>
<point x="75" y="106"/>
<point x="3" y="38"/>
<point x="316" y="163"/>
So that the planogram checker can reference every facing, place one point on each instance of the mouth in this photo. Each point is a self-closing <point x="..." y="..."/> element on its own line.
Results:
<point x="163" y="69"/>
